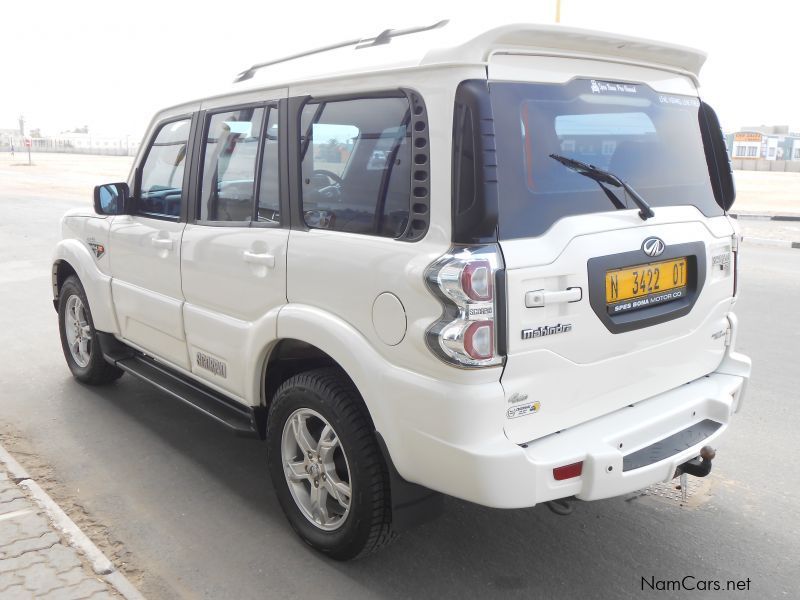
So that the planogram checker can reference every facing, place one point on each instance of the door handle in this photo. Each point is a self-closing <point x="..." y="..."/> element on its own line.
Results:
<point x="268" y="260"/>
<point x="165" y="243"/>
<point x="539" y="298"/>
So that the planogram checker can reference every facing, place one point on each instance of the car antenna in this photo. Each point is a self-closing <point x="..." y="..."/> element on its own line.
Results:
<point x="384" y="37"/>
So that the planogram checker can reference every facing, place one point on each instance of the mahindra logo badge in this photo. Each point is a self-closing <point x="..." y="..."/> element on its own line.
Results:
<point x="653" y="246"/>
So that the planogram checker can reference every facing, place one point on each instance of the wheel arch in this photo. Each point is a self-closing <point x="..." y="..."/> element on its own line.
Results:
<point x="286" y="358"/>
<point x="72" y="257"/>
<point x="311" y="334"/>
<point x="411" y="504"/>
<point x="61" y="270"/>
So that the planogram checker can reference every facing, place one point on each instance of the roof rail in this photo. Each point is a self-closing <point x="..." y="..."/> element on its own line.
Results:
<point x="383" y="37"/>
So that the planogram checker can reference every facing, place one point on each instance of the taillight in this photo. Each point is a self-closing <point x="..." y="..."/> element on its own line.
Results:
<point x="479" y="340"/>
<point x="464" y="281"/>
<point x="476" y="280"/>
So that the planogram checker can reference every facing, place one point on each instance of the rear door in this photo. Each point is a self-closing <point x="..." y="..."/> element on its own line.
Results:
<point x="145" y="247"/>
<point x="233" y="258"/>
<point x="604" y="308"/>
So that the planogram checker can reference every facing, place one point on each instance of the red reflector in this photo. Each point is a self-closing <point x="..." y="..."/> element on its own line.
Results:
<point x="568" y="471"/>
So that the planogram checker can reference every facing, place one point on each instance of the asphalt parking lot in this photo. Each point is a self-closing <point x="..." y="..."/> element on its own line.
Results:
<point x="189" y="510"/>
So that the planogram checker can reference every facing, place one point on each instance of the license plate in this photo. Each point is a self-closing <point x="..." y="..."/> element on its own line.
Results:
<point x="640" y="286"/>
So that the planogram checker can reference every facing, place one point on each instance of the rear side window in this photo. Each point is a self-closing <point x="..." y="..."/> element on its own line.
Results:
<point x="356" y="165"/>
<point x="229" y="164"/>
<point x="163" y="169"/>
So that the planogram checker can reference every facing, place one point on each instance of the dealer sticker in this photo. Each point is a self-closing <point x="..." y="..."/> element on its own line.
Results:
<point x="522" y="410"/>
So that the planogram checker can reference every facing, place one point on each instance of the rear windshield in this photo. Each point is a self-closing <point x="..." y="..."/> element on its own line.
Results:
<point x="650" y="140"/>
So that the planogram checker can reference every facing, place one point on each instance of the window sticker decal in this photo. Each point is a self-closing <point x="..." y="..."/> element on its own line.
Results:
<point x="679" y="100"/>
<point x="600" y="87"/>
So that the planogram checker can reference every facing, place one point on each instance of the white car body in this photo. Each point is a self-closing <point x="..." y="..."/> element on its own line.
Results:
<point x="176" y="289"/>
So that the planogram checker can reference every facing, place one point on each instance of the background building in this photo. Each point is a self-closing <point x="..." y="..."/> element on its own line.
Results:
<point x="72" y="141"/>
<point x="752" y="147"/>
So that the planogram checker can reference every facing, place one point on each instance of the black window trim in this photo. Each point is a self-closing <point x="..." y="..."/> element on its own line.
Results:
<point x="192" y="117"/>
<point x="419" y="113"/>
<point x="476" y="223"/>
<point x="280" y="106"/>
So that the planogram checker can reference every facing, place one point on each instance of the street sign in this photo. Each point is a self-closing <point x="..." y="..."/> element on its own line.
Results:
<point x="28" y="142"/>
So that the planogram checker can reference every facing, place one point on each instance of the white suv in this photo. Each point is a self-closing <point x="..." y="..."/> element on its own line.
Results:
<point x="500" y="270"/>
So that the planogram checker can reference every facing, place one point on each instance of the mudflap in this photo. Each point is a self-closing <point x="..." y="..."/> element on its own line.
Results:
<point x="412" y="504"/>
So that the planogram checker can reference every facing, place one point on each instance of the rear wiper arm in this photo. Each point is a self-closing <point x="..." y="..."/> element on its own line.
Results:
<point x="604" y="177"/>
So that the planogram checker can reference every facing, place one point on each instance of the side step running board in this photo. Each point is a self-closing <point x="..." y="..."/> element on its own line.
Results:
<point x="244" y="420"/>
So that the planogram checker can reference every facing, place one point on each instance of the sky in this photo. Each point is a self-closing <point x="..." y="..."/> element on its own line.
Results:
<point x="111" y="65"/>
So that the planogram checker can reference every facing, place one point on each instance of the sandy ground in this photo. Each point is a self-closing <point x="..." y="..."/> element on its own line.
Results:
<point x="73" y="177"/>
<point x="41" y="472"/>
<point x="68" y="176"/>
<point x="767" y="193"/>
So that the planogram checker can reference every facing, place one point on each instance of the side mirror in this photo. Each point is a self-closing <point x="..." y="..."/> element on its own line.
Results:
<point x="719" y="162"/>
<point x="111" y="198"/>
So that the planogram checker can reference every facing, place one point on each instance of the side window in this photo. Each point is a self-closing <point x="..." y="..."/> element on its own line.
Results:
<point x="229" y="165"/>
<point x="356" y="165"/>
<point x="269" y="198"/>
<point x="162" y="173"/>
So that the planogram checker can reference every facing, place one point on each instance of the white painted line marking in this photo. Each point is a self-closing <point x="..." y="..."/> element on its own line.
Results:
<point x="768" y="242"/>
<point x="15" y="514"/>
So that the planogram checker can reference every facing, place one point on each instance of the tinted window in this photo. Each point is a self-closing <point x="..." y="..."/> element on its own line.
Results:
<point x="229" y="165"/>
<point x="269" y="200"/>
<point x="356" y="169"/>
<point x="650" y="140"/>
<point x="162" y="173"/>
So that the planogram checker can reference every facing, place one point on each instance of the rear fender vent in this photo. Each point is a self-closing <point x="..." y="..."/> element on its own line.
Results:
<point x="420" y="206"/>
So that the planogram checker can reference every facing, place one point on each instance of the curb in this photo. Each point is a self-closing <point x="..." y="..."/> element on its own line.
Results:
<point x="101" y="565"/>
<point x="18" y="473"/>
<point x="764" y="217"/>
<point x="769" y="242"/>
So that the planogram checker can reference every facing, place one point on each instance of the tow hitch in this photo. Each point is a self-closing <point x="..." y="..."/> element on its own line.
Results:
<point x="701" y="467"/>
<point x="562" y="506"/>
<point x="698" y="468"/>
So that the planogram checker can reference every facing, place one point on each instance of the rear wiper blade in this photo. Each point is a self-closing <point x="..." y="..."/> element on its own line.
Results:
<point x="603" y="178"/>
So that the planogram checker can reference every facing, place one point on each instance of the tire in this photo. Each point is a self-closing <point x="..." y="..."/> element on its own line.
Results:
<point x="86" y="359"/>
<point x="346" y="530"/>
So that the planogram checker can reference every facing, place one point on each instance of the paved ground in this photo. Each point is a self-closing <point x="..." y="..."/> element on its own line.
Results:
<point x="770" y="230"/>
<point x="35" y="563"/>
<point x="187" y="511"/>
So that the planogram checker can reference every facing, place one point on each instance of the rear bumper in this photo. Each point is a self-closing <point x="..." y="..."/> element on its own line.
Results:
<point x="604" y="443"/>
<point x="498" y="473"/>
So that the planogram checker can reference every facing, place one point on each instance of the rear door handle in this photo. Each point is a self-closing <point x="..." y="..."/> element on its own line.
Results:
<point x="161" y="242"/>
<point x="268" y="260"/>
<point x="539" y="298"/>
